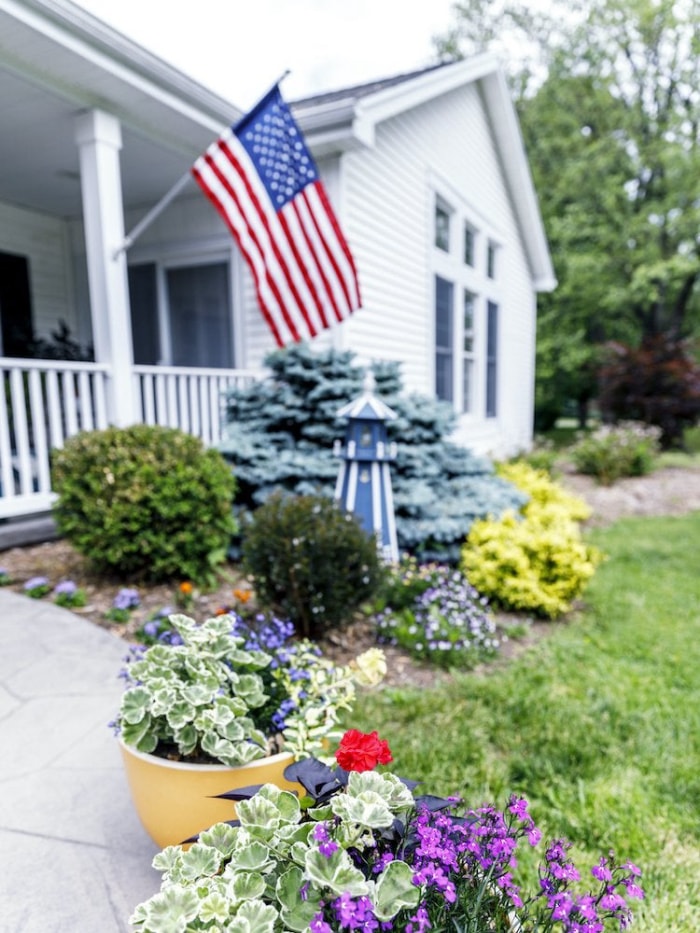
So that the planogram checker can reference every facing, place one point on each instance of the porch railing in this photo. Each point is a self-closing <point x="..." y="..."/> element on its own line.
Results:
<point x="48" y="401"/>
<point x="192" y="399"/>
<point x="45" y="402"/>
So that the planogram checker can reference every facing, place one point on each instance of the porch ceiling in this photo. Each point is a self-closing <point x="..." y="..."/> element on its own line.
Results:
<point x="51" y="69"/>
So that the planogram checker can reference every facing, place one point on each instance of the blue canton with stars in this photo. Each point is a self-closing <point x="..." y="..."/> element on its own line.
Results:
<point x="274" y="143"/>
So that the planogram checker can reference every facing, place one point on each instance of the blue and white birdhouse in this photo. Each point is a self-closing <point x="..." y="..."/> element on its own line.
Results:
<point x="364" y="480"/>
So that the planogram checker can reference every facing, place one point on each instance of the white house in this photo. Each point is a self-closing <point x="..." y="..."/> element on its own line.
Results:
<point x="428" y="177"/>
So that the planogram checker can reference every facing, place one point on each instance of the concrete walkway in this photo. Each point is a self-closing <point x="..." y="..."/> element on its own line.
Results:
<point x="73" y="855"/>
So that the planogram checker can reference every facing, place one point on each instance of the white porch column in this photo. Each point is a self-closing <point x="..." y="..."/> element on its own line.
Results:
<point x="98" y="136"/>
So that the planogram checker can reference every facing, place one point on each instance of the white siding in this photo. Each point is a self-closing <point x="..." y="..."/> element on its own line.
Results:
<point x="388" y="197"/>
<point x="44" y="241"/>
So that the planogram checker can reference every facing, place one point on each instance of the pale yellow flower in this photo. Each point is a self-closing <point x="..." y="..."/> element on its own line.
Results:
<point x="369" y="668"/>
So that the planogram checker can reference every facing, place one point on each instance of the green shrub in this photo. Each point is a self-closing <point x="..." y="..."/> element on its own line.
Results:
<point x="613" y="451"/>
<point x="543" y="456"/>
<point x="145" y="502"/>
<point x="311" y="561"/>
<point x="534" y="561"/>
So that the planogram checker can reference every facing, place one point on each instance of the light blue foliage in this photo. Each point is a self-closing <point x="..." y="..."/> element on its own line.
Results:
<point x="280" y="434"/>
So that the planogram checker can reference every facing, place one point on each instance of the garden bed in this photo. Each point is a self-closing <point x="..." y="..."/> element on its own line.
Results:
<point x="667" y="491"/>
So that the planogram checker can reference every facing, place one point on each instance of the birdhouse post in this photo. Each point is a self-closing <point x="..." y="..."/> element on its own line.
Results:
<point x="364" y="480"/>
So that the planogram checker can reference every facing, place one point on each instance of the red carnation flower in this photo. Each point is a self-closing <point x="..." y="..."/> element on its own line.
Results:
<point x="359" y="751"/>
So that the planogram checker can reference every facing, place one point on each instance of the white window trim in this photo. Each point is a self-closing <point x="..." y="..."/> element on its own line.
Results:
<point x="474" y="279"/>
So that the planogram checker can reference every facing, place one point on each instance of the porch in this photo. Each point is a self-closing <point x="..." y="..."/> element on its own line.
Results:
<point x="48" y="401"/>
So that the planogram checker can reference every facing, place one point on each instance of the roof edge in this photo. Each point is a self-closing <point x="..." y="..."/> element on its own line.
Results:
<point x="76" y="22"/>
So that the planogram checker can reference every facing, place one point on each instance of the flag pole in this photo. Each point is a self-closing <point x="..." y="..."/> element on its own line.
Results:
<point x="170" y="195"/>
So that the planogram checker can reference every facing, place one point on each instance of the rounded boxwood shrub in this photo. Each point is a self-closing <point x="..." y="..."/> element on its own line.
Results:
<point x="311" y="561"/>
<point x="145" y="502"/>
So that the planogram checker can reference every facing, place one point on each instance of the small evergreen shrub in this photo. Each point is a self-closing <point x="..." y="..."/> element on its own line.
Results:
<point x="534" y="561"/>
<point x="280" y="435"/>
<point x="613" y="451"/>
<point x="145" y="502"/>
<point x="311" y="562"/>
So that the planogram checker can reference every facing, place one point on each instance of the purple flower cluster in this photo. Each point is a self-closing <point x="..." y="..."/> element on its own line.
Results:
<point x="36" y="587"/>
<point x="464" y="870"/>
<point x="126" y="599"/>
<point x="448" y="621"/>
<point x="158" y="629"/>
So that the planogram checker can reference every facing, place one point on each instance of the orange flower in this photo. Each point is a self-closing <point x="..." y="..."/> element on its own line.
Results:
<point x="242" y="595"/>
<point x="186" y="588"/>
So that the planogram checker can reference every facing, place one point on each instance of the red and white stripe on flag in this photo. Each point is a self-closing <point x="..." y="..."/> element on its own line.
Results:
<point x="263" y="182"/>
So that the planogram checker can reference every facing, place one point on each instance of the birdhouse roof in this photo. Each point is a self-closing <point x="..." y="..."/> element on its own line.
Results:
<point x="368" y="408"/>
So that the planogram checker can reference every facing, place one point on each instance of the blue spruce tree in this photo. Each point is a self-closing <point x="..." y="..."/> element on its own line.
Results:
<point x="280" y="432"/>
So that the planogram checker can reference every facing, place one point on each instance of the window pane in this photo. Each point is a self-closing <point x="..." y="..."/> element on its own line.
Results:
<point x="143" y="299"/>
<point x="442" y="228"/>
<point x="444" y="339"/>
<point x="200" y="315"/>
<point x="15" y="306"/>
<point x="469" y="245"/>
<point x="468" y="312"/>
<point x="491" y="261"/>
<point x="491" y="359"/>
<point x="467" y="373"/>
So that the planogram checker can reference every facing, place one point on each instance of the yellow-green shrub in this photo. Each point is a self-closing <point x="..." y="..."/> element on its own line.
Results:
<point x="543" y="491"/>
<point x="535" y="561"/>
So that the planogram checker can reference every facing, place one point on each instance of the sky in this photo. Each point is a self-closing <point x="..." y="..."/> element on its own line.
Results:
<point x="239" y="48"/>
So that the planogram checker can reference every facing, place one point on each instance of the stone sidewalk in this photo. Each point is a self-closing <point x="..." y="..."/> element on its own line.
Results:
<point x="73" y="855"/>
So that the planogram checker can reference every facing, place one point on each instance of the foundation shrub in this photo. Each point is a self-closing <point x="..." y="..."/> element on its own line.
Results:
<point x="145" y="502"/>
<point x="311" y="561"/>
<point x="613" y="451"/>
<point x="534" y="560"/>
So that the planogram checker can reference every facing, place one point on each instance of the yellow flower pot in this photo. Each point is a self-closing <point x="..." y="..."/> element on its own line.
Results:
<point x="176" y="800"/>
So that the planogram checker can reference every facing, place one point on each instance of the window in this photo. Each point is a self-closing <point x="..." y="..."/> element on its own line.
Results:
<point x="465" y="253"/>
<point x="444" y="339"/>
<point x="491" y="261"/>
<point x="181" y="315"/>
<point x="491" y="359"/>
<point x="468" y="352"/>
<point x="469" y="236"/>
<point x="442" y="228"/>
<point x="17" y="332"/>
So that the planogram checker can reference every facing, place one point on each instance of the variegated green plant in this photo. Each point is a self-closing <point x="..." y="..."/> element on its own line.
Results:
<point x="359" y="852"/>
<point x="215" y="698"/>
<point x="271" y="872"/>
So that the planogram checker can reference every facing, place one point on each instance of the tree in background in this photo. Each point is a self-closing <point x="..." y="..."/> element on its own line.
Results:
<point x="608" y="94"/>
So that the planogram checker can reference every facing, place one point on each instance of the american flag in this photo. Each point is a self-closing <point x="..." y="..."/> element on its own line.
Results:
<point x="263" y="181"/>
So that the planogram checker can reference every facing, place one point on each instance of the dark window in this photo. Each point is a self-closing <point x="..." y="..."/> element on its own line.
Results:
<point x="200" y="315"/>
<point x="469" y="236"/>
<point x="491" y="261"/>
<point x="491" y="359"/>
<point x="15" y="306"/>
<point x="442" y="228"/>
<point x="143" y="298"/>
<point x="198" y="309"/>
<point x="444" y="339"/>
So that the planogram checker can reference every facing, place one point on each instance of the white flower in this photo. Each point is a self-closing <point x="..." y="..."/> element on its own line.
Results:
<point x="369" y="668"/>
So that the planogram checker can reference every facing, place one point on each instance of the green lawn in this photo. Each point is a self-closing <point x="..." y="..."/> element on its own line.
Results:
<point x="598" y="725"/>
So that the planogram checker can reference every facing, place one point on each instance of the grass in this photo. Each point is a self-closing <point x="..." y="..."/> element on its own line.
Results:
<point x="598" y="726"/>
